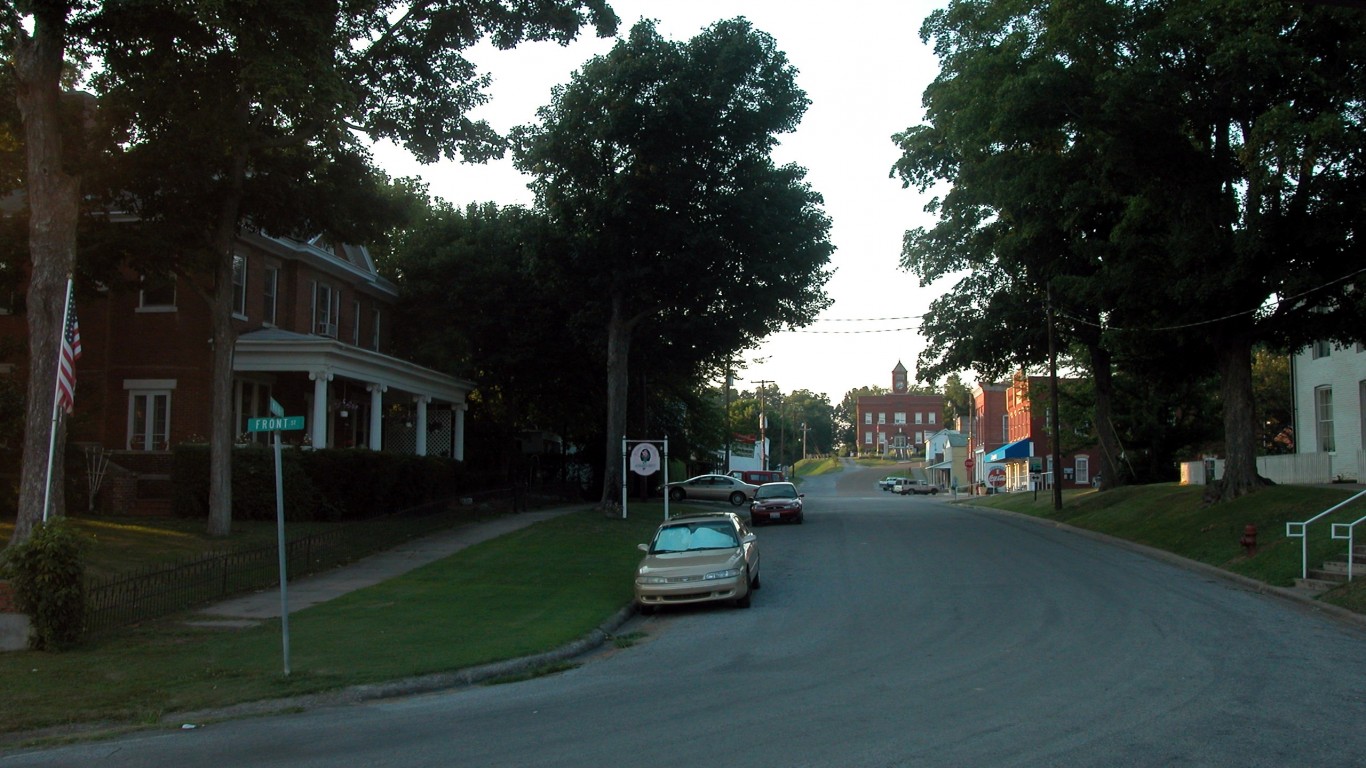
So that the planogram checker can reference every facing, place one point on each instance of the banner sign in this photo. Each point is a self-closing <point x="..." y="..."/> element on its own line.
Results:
<point x="645" y="459"/>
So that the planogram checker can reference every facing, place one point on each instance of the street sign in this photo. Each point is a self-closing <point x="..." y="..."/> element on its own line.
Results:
<point x="276" y="409"/>
<point x="274" y="423"/>
<point x="967" y="463"/>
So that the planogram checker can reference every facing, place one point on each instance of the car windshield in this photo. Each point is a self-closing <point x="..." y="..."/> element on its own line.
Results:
<point x="694" y="536"/>
<point x="776" y="491"/>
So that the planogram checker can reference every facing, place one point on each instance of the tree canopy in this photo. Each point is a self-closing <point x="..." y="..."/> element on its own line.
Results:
<point x="1167" y="175"/>
<point x="654" y="162"/>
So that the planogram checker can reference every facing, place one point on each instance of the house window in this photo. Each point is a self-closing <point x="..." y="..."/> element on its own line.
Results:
<point x="1361" y="409"/>
<point x="868" y="417"/>
<point x="919" y="437"/>
<point x="1320" y="349"/>
<point x="919" y="418"/>
<point x="157" y="293"/>
<point x="932" y="417"/>
<point x="374" y="332"/>
<point x="355" y="322"/>
<point x="1323" y="414"/>
<point x="899" y="417"/>
<point x="149" y="414"/>
<point x="882" y="418"/>
<point x="1005" y="428"/>
<point x="268" y="295"/>
<point x="239" y="287"/>
<point x="326" y="310"/>
<point x="881" y="439"/>
<point x="1083" y="470"/>
<point x="867" y="438"/>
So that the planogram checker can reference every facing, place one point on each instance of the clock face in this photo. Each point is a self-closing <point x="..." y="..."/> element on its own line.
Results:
<point x="900" y="385"/>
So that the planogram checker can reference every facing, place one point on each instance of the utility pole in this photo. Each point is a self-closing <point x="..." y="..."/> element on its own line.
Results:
<point x="763" y="424"/>
<point x="1056" y="441"/>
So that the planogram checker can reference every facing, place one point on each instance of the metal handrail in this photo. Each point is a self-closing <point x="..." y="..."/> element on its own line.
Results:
<point x="1297" y="530"/>
<point x="1348" y="535"/>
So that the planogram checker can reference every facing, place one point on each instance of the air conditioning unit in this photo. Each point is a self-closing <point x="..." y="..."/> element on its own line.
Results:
<point x="327" y="329"/>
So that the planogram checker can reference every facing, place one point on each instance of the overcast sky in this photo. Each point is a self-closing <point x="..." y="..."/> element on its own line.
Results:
<point x="864" y="68"/>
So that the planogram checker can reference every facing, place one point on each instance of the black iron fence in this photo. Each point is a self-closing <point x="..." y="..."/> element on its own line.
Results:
<point x="163" y="590"/>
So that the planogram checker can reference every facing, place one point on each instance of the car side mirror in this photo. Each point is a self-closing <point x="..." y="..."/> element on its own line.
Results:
<point x="643" y="547"/>
<point x="801" y="495"/>
<point x="749" y="537"/>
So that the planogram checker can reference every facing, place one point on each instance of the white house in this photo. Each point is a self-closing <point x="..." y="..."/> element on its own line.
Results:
<point x="1329" y="401"/>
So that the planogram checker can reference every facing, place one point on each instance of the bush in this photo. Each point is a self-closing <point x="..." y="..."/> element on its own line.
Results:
<point x="253" y="484"/>
<point x="47" y="576"/>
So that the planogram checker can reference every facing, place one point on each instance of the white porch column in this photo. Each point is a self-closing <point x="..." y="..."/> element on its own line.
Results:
<point x="458" y="449"/>
<point x="377" y="415"/>
<point x="421" y="425"/>
<point x="318" y="429"/>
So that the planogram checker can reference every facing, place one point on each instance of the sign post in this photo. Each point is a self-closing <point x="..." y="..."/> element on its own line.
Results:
<point x="279" y="421"/>
<point x="645" y="461"/>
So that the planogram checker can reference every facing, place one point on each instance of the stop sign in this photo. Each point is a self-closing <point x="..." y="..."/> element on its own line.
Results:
<point x="968" y="462"/>
<point x="997" y="477"/>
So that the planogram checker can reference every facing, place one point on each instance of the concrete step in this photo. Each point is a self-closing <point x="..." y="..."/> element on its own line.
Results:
<point x="1316" y="586"/>
<point x="1322" y="574"/>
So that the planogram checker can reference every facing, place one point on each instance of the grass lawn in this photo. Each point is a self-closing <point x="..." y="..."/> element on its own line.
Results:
<point x="1174" y="518"/>
<point x="528" y="592"/>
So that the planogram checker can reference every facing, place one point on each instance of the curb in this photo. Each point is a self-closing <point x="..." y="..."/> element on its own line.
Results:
<point x="1248" y="583"/>
<point x="441" y="681"/>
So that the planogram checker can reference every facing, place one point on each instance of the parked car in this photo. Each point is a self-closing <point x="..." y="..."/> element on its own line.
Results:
<point x="886" y="483"/>
<point x="776" y="503"/>
<point x="713" y="488"/>
<point x="758" y="476"/>
<point x="915" y="487"/>
<point x="698" y="558"/>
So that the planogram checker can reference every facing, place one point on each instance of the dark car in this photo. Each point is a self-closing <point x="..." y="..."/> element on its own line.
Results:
<point x="776" y="503"/>
<point x="758" y="476"/>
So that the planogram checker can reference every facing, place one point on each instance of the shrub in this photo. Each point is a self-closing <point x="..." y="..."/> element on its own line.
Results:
<point x="47" y="577"/>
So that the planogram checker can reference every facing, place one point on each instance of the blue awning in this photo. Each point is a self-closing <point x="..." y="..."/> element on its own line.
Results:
<point x="1020" y="449"/>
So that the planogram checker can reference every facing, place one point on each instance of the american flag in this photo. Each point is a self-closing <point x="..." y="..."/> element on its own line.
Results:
<point x="71" y="352"/>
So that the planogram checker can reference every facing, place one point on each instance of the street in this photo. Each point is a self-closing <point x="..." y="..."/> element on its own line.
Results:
<point x="890" y="630"/>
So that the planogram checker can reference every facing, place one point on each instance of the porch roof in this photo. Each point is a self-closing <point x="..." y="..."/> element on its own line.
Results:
<point x="276" y="350"/>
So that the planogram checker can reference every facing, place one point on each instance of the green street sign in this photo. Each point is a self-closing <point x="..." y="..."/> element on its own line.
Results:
<point x="272" y="424"/>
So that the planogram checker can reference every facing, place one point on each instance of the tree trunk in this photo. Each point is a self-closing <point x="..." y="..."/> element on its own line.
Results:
<point x="618" y="354"/>
<point x="222" y="431"/>
<point x="53" y="199"/>
<point x="1110" y="448"/>
<point x="1234" y="353"/>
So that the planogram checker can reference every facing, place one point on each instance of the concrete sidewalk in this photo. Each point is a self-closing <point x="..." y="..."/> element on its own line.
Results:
<point x="307" y="591"/>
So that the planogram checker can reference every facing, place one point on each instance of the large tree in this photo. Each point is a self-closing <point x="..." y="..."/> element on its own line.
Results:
<point x="253" y="114"/>
<point x="1156" y="169"/>
<point x="654" y="160"/>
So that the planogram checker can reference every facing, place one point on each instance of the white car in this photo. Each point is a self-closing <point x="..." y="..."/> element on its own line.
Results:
<point x="906" y="487"/>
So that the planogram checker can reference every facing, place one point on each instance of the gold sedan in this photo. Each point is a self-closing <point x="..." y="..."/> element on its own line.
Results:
<point x="698" y="558"/>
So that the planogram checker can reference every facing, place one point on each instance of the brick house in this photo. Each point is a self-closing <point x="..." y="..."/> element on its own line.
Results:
<point x="896" y="425"/>
<point x="1026" y="456"/>
<point x="313" y="334"/>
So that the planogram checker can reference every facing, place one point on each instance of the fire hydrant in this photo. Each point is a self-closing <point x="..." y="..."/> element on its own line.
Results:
<point x="1249" y="540"/>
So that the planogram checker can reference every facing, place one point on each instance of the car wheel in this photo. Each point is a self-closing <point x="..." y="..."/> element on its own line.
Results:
<point x="644" y="610"/>
<point x="801" y="519"/>
<point x="744" y="602"/>
<point x="676" y="494"/>
<point x="737" y="498"/>
<point x="755" y="522"/>
<point x="756" y="583"/>
<point x="934" y="491"/>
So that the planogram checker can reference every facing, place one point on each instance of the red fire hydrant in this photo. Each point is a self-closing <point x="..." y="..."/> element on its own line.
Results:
<point x="1249" y="540"/>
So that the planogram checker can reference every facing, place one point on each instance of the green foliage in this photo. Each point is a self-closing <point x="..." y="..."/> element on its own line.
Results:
<point x="332" y="484"/>
<point x="47" y="576"/>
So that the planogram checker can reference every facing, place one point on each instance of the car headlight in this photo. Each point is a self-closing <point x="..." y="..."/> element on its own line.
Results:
<point x="729" y="573"/>
<point x="651" y="580"/>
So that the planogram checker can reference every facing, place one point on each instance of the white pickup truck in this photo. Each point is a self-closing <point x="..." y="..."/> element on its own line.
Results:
<point x="907" y="486"/>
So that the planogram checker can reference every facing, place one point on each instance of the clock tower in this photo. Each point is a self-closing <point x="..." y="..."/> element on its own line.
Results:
<point x="899" y="379"/>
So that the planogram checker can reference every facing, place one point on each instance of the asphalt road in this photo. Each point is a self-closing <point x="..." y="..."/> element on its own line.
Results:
<point x="890" y="631"/>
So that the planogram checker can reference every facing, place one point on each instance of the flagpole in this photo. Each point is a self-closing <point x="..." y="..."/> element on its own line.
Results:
<point x="56" y="402"/>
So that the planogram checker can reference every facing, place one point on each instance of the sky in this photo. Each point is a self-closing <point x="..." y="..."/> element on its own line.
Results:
<point x="864" y="69"/>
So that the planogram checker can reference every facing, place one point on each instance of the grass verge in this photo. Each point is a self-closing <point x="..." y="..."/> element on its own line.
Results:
<point x="1174" y="518"/>
<point x="521" y="594"/>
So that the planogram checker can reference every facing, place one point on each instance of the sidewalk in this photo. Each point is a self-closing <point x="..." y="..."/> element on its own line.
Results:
<point x="249" y="610"/>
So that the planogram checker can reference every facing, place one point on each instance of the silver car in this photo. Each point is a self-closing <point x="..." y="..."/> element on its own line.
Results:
<point x="713" y="488"/>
